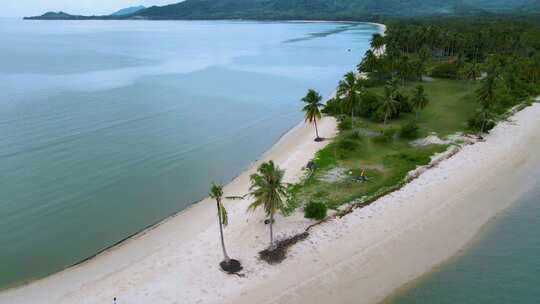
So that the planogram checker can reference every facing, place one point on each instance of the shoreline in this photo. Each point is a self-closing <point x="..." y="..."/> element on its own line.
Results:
<point x="177" y="259"/>
<point x="381" y="251"/>
<point x="250" y="168"/>
<point x="297" y="138"/>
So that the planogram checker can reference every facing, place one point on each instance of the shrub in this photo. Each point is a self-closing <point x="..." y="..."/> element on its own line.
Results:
<point x="355" y="135"/>
<point x="344" y="123"/>
<point x="404" y="104"/>
<point x="315" y="211"/>
<point x="445" y="70"/>
<point x="409" y="131"/>
<point x="348" y="144"/>
<point x="332" y="107"/>
<point x="386" y="137"/>
<point x="475" y="123"/>
<point x="369" y="104"/>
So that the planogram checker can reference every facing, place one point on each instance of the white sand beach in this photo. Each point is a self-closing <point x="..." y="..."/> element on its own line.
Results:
<point x="360" y="258"/>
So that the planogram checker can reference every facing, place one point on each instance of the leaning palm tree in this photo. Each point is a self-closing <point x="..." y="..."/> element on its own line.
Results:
<point x="419" y="99"/>
<point x="269" y="191"/>
<point x="389" y="106"/>
<point x="228" y="264"/>
<point x="348" y="90"/>
<point x="312" y="109"/>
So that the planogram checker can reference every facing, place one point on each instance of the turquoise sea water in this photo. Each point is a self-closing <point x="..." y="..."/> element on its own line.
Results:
<point x="501" y="267"/>
<point x="107" y="127"/>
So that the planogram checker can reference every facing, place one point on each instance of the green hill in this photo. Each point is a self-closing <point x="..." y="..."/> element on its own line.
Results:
<point x="311" y="9"/>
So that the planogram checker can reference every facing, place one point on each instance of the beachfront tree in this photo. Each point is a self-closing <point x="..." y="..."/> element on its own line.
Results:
<point x="377" y="42"/>
<point x="369" y="64"/>
<point x="269" y="191"/>
<point x="486" y="94"/>
<point x="312" y="109"/>
<point x="348" y="91"/>
<point x="228" y="264"/>
<point x="390" y="106"/>
<point x="419" y="99"/>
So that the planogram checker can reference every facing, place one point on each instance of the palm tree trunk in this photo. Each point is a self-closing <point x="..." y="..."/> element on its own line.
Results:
<point x="316" y="129"/>
<point x="352" y="119"/>
<point x="482" y="128"/>
<point x="225" y="255"/>
<point x="271" y="231"/>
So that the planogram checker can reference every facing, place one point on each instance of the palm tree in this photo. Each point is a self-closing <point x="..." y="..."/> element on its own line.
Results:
<point x="348" y="90"/>
<point x="470" y="71"/>
<point x="389" y="105"/>
<point x="228" y="264"/>
<point x="369" y="63"/>
<point x="419" y="99"/>
<point x="377" y="42"/>
<point x="486" y="93"/>
<point x="485" y="116"/>
<point x="269" y="191"/>
<point x="312" y="109"/>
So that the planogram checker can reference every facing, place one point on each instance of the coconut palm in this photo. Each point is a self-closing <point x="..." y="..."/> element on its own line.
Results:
<point x="312" y="110"/>
<point x="377" y="42"/>
<point x="348" y="90"/>
<point x="470" y="71"/>
<point x="486" y="116"/>
<point x="369" y="63"/>
<point x="216" y="192"/>
<point x="419" y="99"/>
<point x="389" y="106"/>
<point x="269" y="191"/>
<point x="486" y="93"/>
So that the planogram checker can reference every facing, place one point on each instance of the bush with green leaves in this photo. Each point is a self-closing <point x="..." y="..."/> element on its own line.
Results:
<point x="348" y="145"/>
<point x="315" y="211"/>
<point x="387" y="136"/>
<point x="409" y="130"/>
<point x="332" y="107"/>
<point x="344" y="123"/>
<point x="476" y="122"/>
<point x="445" y="70"/>
<point x="369" y="104"/>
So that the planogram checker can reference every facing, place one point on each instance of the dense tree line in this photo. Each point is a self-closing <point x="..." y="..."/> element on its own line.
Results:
<point x="501" y="55"/>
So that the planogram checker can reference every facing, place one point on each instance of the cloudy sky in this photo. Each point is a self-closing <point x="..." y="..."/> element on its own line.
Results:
<point x="18" y="8"/>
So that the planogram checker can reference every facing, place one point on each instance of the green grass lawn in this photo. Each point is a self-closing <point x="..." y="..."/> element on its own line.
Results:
<point x="385" y="163"/>
<point x="451" y="104"/>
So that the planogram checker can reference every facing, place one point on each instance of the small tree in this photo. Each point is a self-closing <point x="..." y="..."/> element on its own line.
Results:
<point x="348" y="91"/>
<point x="315" y="211"/>
<point x="419" y="99"/>
<point x="389" y="107"/>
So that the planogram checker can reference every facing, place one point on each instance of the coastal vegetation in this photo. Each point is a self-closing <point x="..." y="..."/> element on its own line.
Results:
<point x="438" y="83"/>
<point x="435" y="85"/>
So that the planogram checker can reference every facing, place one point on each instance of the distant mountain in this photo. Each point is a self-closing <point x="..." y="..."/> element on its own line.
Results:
<point x="312" y="9"/>
<point x="58" y="16"/>
<point x="128" y="10"/>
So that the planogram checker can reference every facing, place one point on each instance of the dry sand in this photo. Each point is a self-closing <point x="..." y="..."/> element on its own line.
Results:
<point x="359" y="259"/>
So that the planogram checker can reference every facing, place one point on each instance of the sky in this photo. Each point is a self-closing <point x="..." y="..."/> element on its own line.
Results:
<point x="20" y="8"/>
